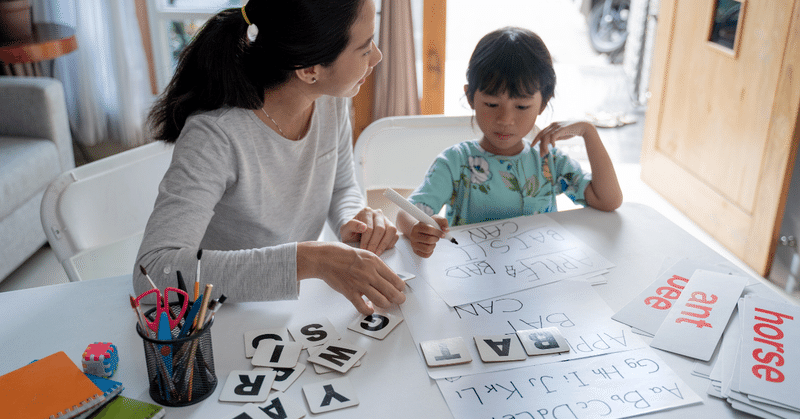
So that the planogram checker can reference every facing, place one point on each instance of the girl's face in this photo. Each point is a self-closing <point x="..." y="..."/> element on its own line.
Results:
<point x="505" y="120"/>
<point x="346" y="75"/>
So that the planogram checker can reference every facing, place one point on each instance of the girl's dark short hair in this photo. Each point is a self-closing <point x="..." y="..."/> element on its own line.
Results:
<point x="513" y="60"/>
<point x="221" y="67"/>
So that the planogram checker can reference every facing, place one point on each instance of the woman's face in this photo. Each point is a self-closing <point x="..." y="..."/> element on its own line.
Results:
<point x="345" y="76"/>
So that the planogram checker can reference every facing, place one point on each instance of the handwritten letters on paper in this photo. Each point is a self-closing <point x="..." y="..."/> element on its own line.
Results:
<point x="498" y="258"/>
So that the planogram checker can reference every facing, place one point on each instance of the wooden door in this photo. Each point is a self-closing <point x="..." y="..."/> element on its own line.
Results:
<point x="721" y="128"/>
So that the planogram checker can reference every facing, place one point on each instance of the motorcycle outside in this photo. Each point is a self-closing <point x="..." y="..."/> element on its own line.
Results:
<point x="608" y="27"/>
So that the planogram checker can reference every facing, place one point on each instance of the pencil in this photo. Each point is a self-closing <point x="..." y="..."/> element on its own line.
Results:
<point x="198" y="325"/>
<point x="203" y="308"/>
<point x="551" y="165"/>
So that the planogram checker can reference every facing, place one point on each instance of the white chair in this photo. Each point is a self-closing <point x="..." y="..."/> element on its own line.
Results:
<point x="396" y="152"/>
<point x="94" y="215"/>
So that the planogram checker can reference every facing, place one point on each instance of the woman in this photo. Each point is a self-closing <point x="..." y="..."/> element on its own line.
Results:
<point x="263" y="155"/>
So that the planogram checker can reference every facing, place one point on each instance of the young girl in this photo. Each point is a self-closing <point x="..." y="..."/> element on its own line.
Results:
<point x="510" y="79"/>
<point x="263" y="157"/>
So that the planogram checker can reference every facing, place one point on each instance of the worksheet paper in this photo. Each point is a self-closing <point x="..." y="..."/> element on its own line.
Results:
<point x="618" y="385"/>
<point x="771" y="349"/>
<point x="648" y="310"/>
<point x="502" y="257"/>
<point x="695" y="324"/>
<point x="573" y="306"/>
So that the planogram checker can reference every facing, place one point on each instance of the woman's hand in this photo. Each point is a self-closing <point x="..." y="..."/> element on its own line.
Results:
<point x="558" y="131"/>
<point x="424" y="237"/>
<point x="371" y="229"/>
<point x="354" y="273"/>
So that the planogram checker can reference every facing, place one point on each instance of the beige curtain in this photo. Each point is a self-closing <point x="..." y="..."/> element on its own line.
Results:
<point x="396" y="76"/>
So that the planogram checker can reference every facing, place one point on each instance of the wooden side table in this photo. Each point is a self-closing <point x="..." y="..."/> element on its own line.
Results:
<point x="24" y="57"/>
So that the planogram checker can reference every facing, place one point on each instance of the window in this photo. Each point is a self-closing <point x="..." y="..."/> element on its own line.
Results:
<point x="173" y="23"/>
<point x="726" y="24"/>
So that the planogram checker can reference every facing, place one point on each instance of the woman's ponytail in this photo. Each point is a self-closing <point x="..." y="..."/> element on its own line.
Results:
<point x="210" y="74"/>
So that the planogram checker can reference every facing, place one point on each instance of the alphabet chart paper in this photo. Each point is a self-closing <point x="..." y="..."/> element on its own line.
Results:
<point x="611" y="386"/>
<point x="573" y="306"/>
<point x="502" y="257"/>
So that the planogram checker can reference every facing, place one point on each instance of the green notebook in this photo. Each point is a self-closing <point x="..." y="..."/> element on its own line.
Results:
<point x="126" y="408"/>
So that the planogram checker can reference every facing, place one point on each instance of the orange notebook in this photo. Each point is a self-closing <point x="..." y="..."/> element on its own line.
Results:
<point x="52" y="387"/>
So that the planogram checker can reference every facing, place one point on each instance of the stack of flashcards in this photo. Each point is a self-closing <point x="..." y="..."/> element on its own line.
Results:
<point x="52" y="387"/>
<point x="647" y="311"/>
<point x="275" y="355"/>
<point x="757" y="369"/>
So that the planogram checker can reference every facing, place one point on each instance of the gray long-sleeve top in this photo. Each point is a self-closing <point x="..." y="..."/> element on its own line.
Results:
<point x="246" y="196"/>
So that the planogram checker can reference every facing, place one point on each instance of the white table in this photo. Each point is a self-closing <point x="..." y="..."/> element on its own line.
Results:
<point x="392" y="380"/>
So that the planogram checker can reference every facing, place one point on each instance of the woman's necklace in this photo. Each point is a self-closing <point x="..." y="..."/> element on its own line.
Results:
<point x="276" y="124"/>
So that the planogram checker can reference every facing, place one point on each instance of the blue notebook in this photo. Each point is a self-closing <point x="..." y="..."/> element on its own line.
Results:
<point x="110" y="389"/>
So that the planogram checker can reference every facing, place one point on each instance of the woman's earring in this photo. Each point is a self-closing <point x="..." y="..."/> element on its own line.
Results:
<point x="313" y="80"/>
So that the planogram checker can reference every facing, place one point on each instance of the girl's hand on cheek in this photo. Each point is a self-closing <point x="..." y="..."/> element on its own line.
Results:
<point x="557" y="131"/>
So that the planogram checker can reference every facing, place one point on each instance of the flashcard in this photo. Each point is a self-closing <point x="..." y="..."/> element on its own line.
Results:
<point x="500" y="348"/>
<point x="445" y="352"/>
<point x="253" y="337"/>
<point x="276" y="354"/>
<point x="248" y="411"/>
<point x="339" y="356"/>
<point x="648" y="310"/>
<point x="548" y="340"/>
<point x="319" y="369"/>
<point x="405" y="276"/>
<point x="247" y="386"/>
<point x="314" y="333"/>
<point x="285" y="377"/>
<point x="377" y="325"/>
<point x="281" y="406"/>
<point x="769" y="353"/>
<point x="325" y="396"/>
<point x="693" y="327"/>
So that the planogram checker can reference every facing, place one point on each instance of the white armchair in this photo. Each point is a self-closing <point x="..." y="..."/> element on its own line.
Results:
<point x="35" y="147"/>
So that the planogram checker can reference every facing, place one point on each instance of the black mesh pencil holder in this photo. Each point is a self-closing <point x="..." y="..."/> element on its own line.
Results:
<point x="180" y="371"/>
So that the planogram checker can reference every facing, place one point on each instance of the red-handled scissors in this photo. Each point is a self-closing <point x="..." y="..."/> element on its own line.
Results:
<point x="163" y="307"/>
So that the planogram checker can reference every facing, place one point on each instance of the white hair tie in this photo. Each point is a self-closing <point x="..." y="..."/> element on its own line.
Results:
<point x="252" y="32"/>
<point x="252" y="29"/>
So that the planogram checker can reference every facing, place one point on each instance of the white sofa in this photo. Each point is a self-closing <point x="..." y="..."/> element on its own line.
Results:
<point x="35" y="147"/>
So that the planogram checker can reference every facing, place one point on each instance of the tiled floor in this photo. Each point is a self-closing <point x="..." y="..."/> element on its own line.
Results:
<point x="587" y="84"/>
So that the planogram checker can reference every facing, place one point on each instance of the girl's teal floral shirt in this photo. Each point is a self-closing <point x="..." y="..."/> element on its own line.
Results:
<point x="479" y="186"/>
